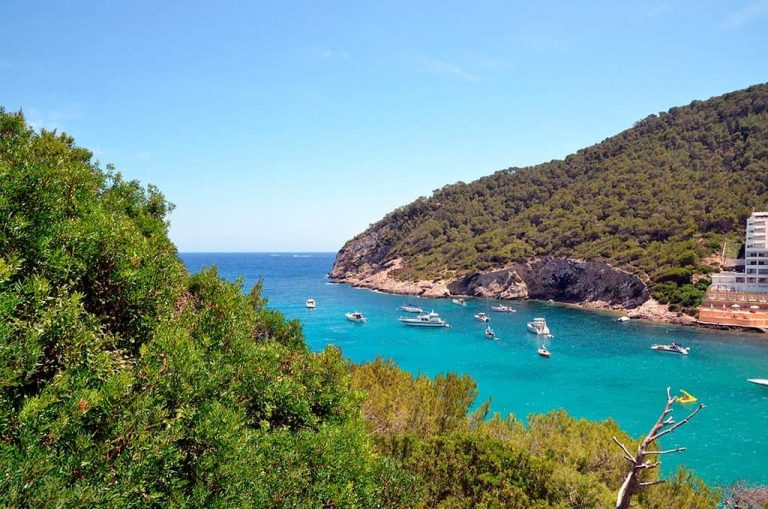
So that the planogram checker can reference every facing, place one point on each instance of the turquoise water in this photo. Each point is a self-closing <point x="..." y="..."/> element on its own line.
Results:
<point x="599" y="368"/>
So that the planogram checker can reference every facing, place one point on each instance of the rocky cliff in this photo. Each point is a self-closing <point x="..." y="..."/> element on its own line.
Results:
<point x="363" y="262"/>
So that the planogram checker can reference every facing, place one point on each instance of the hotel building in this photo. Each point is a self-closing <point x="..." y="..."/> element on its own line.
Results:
<point x="741" y="298"/>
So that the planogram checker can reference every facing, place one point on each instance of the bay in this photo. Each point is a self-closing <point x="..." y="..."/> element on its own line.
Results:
<point x="599" y="368"/>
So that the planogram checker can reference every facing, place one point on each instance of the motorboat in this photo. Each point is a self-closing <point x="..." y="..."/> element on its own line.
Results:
<point x="544" y="352"/>
<point x="551" y="301"/>
<point x="310" y="304"/>
<point x="482" y="317"/>
<point x="356" y="317"/>
<point x="686" y="397"/>
<point x="622" y="319"/>
<point x="673" y="348"/>
<point x="503" y="308"/>
<point x="459" y="302"/>
<point x="431" y="319"/>
<point x="411" y="308"/>
<point x="758" y="381"/>
<point x="538" y="326"/>
<point x="489" y="333"/>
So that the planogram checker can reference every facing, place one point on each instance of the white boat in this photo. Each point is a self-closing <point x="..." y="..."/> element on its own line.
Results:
<point x="410" y="308"/>
<point x="538" y="326"/>
<point x="758" y="381"/>
<point x="310" y="303"/>
<point x="356" y="317"/>
<point x="459" y="302"/>
<point x="544" y="352"/>
<point x="489" y="333"/>
<point x="673" y="348"/>
<point x="622" y="319"/>
<point x="551" y="301"/>
<point x="428" y="320"/>
<point x="502" y="308"/>
<point x="482" y="317"/>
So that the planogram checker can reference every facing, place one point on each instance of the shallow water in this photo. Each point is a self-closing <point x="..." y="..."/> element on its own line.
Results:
<point x="599" y="368"/>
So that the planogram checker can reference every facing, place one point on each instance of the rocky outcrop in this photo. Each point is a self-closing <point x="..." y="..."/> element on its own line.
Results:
<point x="560" y="279"/>
<point x="362" y="263"/>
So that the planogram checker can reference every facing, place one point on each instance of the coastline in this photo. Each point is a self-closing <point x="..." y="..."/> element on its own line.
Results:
<point x="651" y="310"/>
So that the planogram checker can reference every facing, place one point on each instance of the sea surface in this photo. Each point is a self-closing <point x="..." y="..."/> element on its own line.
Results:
<point x="599" y="368"/>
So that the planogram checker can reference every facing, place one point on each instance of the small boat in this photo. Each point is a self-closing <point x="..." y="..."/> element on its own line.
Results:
<point x="502" y="308"/>
<point x="673" y="348"/>
<point x="544" y="352"/>
<point x="538" y="326"/>
<point x="482" y="317"/>
<point x="310" y="304"/>
<point x="551" y="301"/>
<point x="622" y="319"/>
<point x="411" y="308"/>
<point x="687" y="397"/>
<point x="356" y="317"/>
<point x="459" y="302"/>
<point x="758" y="381"/>
<point x="428" y="320"/>
<point x="489" y="333"/>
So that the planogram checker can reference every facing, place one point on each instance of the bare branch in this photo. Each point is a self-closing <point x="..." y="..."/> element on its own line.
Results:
<point x="668" y="451"/>
<point x="651" y="483"/>
<point x="624" y="448"/>
<point x="647" y="464"/>
<point x="677" y="425"/>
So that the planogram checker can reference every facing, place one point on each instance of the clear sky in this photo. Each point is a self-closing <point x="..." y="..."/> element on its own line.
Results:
<point x="290" y="126"/>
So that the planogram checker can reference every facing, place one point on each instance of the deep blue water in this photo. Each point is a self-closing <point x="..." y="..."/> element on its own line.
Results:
<point x="599" y="368"/>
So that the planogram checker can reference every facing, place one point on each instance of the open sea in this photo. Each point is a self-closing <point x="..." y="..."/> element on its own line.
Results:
<point x="599" y="368"/>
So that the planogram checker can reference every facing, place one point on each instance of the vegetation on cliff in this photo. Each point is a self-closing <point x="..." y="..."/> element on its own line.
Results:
<point x="124" y="381"/>
<point x="656" y="199"/>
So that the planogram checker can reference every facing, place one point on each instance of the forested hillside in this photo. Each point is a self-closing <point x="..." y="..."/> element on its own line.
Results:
<point x="656" y="199"/>
<point x="126" y="382"/>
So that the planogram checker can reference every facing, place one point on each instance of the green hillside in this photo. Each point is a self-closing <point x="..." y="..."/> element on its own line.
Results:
<point x="126" y="382"/>
<point x="656" y="199"/>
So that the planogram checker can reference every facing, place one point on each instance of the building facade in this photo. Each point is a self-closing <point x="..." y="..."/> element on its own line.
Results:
<point x="738" y="298"/>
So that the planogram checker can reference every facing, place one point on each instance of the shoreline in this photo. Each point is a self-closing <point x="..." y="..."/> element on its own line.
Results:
<point x="650" y="311"/>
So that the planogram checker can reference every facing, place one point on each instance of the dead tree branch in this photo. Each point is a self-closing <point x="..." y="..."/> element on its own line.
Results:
<point x="664" y="425"/>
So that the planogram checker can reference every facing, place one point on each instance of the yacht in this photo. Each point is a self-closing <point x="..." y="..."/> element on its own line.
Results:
<point x="411" y="308"/>
<point x="673" y="348"/>
<point x="489" y="333"/>
<point x="622" y="319"/>
<point x="538" y="326"/>
<point x="503" y="308"/>
<point x="356" y="317"/>
<point x="758" y="381"/>
<point x="482" y="317"/>
<point x="544" y="352"/>
<point x="428" y="320"/>
<point x="459" y="302"/>
<point x="310" y="303"/>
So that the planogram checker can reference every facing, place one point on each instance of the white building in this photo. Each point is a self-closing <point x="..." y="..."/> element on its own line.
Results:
<point x="754" y="279"/>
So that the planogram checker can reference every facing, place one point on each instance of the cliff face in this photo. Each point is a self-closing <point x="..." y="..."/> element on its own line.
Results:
<point x="363" y="262"/>
<point x="561" y="279"/>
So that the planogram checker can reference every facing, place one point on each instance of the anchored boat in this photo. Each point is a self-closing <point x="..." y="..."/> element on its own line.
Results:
<point x="489" y="333"/>
<point x="356" y="317"/>
<point x="411" y="308"/>
<point x="758" y="381"/>
<point x="459" y="302"/>
<point x="686" y="397"/>
<point x="482" y="317"/>
<point x="429" y="320"/>
<point x="544" y="352"/>
<point x="538" y="326"/>
<point x="310" y="304"/>
<point x="502" y="308"/>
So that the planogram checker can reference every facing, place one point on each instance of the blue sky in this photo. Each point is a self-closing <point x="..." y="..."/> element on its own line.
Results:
<point x="289" y="126"/>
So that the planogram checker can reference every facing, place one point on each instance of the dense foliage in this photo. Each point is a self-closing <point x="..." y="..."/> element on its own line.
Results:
<point x="657" y="199"/>
<point x="126" y="382"/>
<point x="463" y="459"/>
